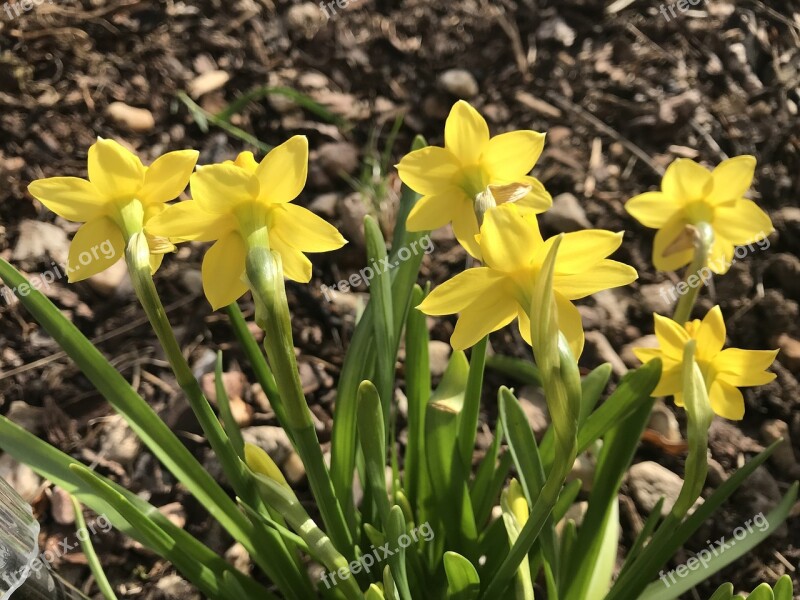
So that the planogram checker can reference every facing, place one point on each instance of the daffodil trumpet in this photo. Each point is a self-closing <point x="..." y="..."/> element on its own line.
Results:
<point x="264" y="276"/>
<point x="702" y="239"/>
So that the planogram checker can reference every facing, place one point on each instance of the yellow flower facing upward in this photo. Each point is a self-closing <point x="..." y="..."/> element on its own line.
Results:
<point x="243" y="204"/>
<point x="491" y="296"/>
<point x="119" y="197"/>
<point x="691" y="194"/>
<point x="471" y="172"/>
<point x="724" y="371"/>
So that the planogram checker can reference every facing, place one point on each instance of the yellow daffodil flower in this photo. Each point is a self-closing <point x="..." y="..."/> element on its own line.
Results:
<point x="491" y="296"/>
<point x="724" y="371"/>
<point x="691" y="194"/>
<point x="468" y="175"/>
<point x="242" y="204"/>
<point x="119" y="197"/>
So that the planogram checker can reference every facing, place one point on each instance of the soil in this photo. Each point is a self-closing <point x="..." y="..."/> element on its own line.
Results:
<point x="622" y="89"/>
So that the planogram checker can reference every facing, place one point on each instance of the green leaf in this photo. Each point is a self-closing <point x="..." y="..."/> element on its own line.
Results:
<point x="783" y="588"/>
<point x="762" y="592"/>
<point x="462" y="578"/>
<point x="448" y="475"/>
<point x="155" y="434"/>
<point x="202" y="117"/>
<point x="724" y="592"/>
<point x="302" y="100"/>
<point x="54" y="465"/>
<point x="670" y="535"/>
<point x="522" y="446"/>
<point x="91" y="556"/>
<point x="224" y="403"/>
<point x="380" y="290"/>
<point x="359" y="359"/>
<point x="521" y="370"/>
<point x="711" y="562"/>
<point x="395" y="530"/>
<point x="468" y="422"/>
<point x="418" y="391"/>
<point x="619" y="447"/>
<point x="374" y="593"/>
<point x="372" y="437"/>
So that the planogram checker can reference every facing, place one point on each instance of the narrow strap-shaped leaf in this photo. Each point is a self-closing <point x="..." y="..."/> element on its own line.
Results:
<point x="396" y="530"/>
<point x="372" y="438"/>
<point x="714" y="561"/>
<point x="91" y="556"/>
<point x="418" y="391"/>
<point x="670" y="535"/>
<point x="468" y="422"/>
<point x="380" y="290"/>
<point x="155" y="434"/>
<point x="224" y="403"/>
<point x="462" y="578"/>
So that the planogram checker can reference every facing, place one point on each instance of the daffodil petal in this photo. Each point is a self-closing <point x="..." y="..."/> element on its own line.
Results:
<point x="115" y="171"/>
<point x="455" y="294"/>
<point x="296" y="265"/>
<point x="579" y="250"/>
<point x="97" y="245"/>
<point x="187" y="221"/>
<point x="720" y="257"/>
<point x="671" y="382"/>
<point x="219" y="188"/>
<point x="466" y="133"/>
<point x="600" y="276"/>
<point x="645" y="355"/>
<point x="429" y="170"/>
<point x="665" y="237"/>
<point x="283" y="172"/>
<point x="509" y="239"/>
<point x="732" y="178"/>
<point x="308" y="232"/>
<point x="671" y="337"/>
<point x="538" y="199"/>
<point x="744" y="368"/>
<point x="742" y="222"/>
<point x="711" y="334"/>
<point x="508" y="157"/>
<point x="524" y="322"/>
<point x="223" y="270"/>
<point x="726" y="400"/>
<point x="246" y="161"/>
<point x="651" y="209"/>
<point x="155" y="262"/>
<point x="465" y="228"/>
<point x="72" y="198"/>
<point x="168" y="176"/>
<point x="436" y="210"/>
<point x="686" y="181"/>
<point x="570" y="324"/>
<point x="488" y="313"/>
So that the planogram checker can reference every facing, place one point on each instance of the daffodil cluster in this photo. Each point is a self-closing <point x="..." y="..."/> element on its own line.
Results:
<point x="482" y="185"/>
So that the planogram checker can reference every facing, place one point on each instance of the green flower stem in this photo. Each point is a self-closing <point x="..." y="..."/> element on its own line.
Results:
<point x="265" y="275"/>
<point x="261" y="543"/>
<point x="561" y="383"/>
<point x="699" y="415"/>
<point x="468" y="423"/>
<point x="703" y="241"/>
